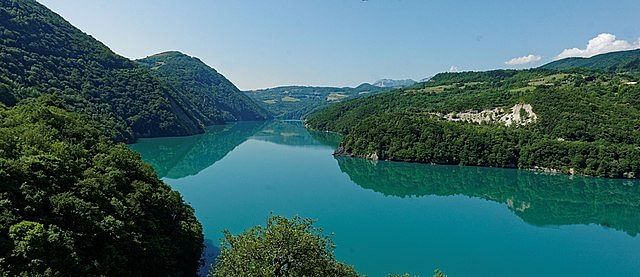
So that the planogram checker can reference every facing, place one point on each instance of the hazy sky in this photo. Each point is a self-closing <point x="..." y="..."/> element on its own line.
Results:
<point x="266" y="43"/>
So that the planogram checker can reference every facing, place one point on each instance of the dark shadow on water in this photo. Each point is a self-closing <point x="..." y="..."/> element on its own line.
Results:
<point x="539" y="199"/>
<point x="209" y="255"/>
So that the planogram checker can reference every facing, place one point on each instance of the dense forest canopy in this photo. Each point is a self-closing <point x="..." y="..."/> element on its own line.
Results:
<point x="578" y="121"/>
<point x="73" y="203"/>
<point x="213" y="98"/>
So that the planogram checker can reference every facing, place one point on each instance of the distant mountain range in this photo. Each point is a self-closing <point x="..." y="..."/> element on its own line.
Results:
<point x="391" y="83"/>
<point x="294" y="102"/>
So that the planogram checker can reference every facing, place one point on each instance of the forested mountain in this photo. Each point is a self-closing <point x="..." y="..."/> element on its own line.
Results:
<point x="73" y="203"/>
<point x="212" y="98"/>
<point x="580" y="122"/>
<point x="622" y="61"/>
<point x="294" y="102"/>
<point x="41" y="53"/>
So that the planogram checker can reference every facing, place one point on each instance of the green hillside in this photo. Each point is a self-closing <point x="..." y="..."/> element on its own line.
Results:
<point x="622" y="61"/>
<point x="294" y="102"/>
<point x="41" y="53"/>
<point x="214" y="98"/>
<point x="582" y="123"/>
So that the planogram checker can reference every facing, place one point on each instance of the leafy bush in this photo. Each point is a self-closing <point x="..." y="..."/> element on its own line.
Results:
<point x="285" y="247"/>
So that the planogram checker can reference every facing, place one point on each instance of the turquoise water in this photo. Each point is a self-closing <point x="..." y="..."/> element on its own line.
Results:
<point x="392" y="217"/>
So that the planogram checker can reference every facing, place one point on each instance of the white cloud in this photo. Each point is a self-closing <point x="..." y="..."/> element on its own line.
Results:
<point x="453" y="68"/>
<point x="523" y="60"/>
<point x="603" y="43"/>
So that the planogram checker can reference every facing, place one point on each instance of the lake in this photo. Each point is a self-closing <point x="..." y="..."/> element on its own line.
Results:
<point x="390" y="217"/>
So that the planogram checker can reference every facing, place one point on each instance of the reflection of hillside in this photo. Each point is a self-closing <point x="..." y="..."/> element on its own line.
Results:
<point x="326" y="138"/>
<point x="293" y="133"/>
<point x="179" y="157"/>
<point x="538" y="199"/>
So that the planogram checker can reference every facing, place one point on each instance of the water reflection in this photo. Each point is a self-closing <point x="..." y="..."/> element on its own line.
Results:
<point x="178" y="157"/>
<point x="293" y="133"/>
<point x="282" y="167"/>
<point x="539" y="199"/>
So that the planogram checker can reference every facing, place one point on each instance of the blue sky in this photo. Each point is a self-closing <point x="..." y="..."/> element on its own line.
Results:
<point x="266" y="43"/>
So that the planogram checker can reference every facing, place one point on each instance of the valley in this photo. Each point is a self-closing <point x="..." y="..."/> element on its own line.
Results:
<point x="132" y="159"/>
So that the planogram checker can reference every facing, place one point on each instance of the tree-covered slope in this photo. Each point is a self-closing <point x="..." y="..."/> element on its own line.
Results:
<point x="214" y="98"/>
<point x="41" y="53"/>
<point x="294" y="102"/>
<point x="581" y="122"/>
<point x="622" y="61"/>
<point x="73" y="203"/>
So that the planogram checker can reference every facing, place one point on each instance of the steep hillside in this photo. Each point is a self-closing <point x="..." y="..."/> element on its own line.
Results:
<point x="41" y="53"/>
<point x="622" y="61"/>
<point x="294" y="102"/>
<point x="214" y="98"/>
<point x="579" y="123"/>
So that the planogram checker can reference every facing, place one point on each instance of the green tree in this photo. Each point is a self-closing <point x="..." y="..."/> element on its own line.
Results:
<point x="285" y="247"/>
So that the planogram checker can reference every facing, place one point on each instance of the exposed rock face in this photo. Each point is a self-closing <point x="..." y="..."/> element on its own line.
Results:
<point x="373" y="156"/>
<point x="341" y="151"/>
<point x="519" y="114"/>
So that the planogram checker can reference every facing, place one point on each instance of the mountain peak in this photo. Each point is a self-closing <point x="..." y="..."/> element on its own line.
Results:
<point x="214" y="98"/>
<point x="169" y="54"/>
